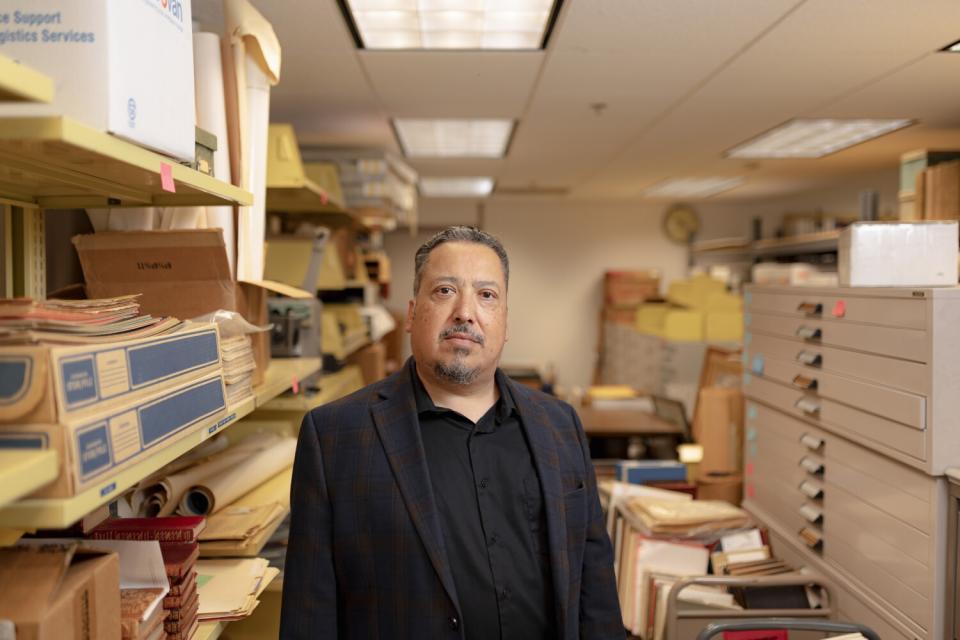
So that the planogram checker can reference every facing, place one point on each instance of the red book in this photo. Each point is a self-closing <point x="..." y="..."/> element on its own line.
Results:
<point x="185" y="612"/>
<point x="178" y="559"/>
<point x="188" y="617"/>
<point x="171" y="602"/>
<point x="169" y="529"/>
<point x="183" y="585"/>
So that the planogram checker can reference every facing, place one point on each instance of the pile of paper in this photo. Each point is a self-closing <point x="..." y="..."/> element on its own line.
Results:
<point x="229" y="587"/>
<point x="685" y="518"/>
<point x="240" y="530"/>
<point x="24" y="320"/>
<point x="238" y="367"/>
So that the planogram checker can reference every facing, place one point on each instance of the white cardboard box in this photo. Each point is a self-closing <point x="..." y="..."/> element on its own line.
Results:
<point x="123" y="66"/>
<point x="898" y="254"/>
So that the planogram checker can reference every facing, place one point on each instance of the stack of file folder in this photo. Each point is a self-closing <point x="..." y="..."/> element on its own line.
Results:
<point x="685" y="518"/>
<point x="229" y="587"/>
<point x="238" y="367"/>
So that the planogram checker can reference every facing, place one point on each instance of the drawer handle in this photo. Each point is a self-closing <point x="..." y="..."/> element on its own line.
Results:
<point x="812" y="466"/>
<point x="808" y="333"/>
<point x="809" y="358"/>
<point x="811" y="537"/>
<point x="811" y="442"/>
<point x="808" y="405"/>
<point x="810" y="308"/>
<point x="804" y="382"/>
<point x="811" y="514"/>
<point x="811" y="490"/>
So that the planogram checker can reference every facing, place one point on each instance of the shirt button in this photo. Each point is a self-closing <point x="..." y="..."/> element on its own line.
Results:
<point x="454" y="622"/>
<point x="504" y="593"/>
<point x="493" y="539"/>
<point x="483" y="483"/>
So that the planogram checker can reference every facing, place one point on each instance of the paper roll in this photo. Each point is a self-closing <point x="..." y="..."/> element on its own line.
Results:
<point x="212" y="116"/>
<point x="218" y="491"/>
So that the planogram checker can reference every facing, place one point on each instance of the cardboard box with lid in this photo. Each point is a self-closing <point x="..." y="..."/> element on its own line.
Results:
<point x="179" y="273"/>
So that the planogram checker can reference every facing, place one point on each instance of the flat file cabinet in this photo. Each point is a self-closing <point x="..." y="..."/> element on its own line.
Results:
<point x="852" y="417"/>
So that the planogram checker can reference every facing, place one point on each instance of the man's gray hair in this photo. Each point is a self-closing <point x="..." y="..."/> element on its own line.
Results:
<point x="459" y="234"/>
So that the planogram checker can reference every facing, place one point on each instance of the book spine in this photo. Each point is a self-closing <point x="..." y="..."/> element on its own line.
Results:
<point x="160" y="535"/>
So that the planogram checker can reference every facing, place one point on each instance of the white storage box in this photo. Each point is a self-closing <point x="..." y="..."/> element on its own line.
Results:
<point x="898" y="254"/>
<point x="123" y="66"/>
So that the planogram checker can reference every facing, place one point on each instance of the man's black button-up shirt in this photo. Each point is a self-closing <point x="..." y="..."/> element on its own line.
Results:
<point x="491" y="511"/>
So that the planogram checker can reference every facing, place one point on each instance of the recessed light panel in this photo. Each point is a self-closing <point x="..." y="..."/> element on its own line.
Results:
<point x="453" y="138"/>
<point x="456" y="187"/>
<point x="814" y="138"/>
<point x="692" y="187"/>
<point x="450" y="24"/>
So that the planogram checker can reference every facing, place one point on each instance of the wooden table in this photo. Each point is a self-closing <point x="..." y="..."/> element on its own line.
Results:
<point x="624" y="423"/>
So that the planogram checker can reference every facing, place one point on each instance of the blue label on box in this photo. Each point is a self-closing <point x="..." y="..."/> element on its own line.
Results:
<point x="14" y="377"/>
<point x="644" y="471"/>
<point x="79" y="380"/>
<point x="23" y="441"/>
<point x="93" y="449"/>
<point x="155" y="362"/>
<point x="172" y="413"/>
<point x="757" y="365"/>
<point x="747" y="298"/>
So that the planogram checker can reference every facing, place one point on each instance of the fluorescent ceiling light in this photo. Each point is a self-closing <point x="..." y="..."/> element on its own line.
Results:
<point x="453" y="138"/>
<point x="456" y="187"/>
<point x="450" y="24"/>
<point x="814" y="138"/>
<point x="952" y="47"/>
<point x="692" y="187"/>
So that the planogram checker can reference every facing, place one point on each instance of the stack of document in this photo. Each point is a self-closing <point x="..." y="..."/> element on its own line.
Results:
<point x="685" y="518"/>
<point x="229" y="588"/>
<point x="240" y="530"/>
<point x="24" y="320"/>
<point x="238" y="367"/>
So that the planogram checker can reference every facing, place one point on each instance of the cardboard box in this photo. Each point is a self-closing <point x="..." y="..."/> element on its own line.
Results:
<point x="898" y="254"/>
<point x="51" y="384"/>
<point x="60" y="591"/>
<point x="372" y="361"/>
<point x="98" y="446"/>
<point x="122" y="67"/>
<point x="625" y="316"/>
<point x="630" y="288"/>
<point x="183" y="274"/>
<point x="719" y="429"/>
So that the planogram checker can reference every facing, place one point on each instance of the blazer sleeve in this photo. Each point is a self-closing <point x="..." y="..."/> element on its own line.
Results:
<point x="309" y="608"/>
<point x="600" y="617"/>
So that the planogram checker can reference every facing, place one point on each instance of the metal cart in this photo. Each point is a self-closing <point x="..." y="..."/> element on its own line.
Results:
<point x="792" y="624"/>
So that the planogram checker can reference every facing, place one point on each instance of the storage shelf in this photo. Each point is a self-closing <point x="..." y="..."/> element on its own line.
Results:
<point x="19" y="83"/>
<point x="275" y="489"/>
<point x="333" y="386"/>
<point x="819" y="242"/>
<point x="62" y="512"/>
<point x="209" y="630"/>
<point x="24" y="471"/>
<point x="56" y="162"/>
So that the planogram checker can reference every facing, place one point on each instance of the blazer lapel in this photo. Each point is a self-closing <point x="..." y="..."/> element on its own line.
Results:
<point x="396" y="421"/>
<point x="546" y="459"/>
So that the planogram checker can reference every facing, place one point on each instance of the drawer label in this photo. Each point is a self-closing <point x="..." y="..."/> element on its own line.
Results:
<point x="839" y="309"/>
<point x="757" y="365"/>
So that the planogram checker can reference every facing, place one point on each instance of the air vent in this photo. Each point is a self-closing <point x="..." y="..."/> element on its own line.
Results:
<point x="530" y="190"/>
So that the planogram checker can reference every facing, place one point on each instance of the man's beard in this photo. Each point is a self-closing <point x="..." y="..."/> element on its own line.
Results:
<point x="456" y="372"/>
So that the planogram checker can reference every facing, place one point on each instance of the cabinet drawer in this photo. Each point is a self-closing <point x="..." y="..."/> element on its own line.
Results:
<point x="891" y="372"/>
<point x="909" y="344"/>
<point x="778" y="499"/>
<point x="855" y="520"/>
<point x="891" y="312"/>
<point x="868" y="429"/>
<point x="900" y="406"/>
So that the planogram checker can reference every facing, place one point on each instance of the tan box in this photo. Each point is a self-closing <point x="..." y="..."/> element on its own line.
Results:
<point x="630" y="288"/>
<point x="622" y="315"/>
<point x="372" y="361"/>
<point x="719" y="429"/>
<point x="56" y="591"/>
<point x="183" y="274"/>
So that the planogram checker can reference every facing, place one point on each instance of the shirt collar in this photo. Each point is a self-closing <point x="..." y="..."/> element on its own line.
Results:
<point x="504" y="408"/>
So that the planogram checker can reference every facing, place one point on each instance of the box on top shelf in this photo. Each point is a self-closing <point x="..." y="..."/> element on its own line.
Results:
<point x="122" y="67"/>
<point x="898" y="254"/>
<point x="630" y="288"/>
<point x="117" y="438"/>
<point x="57" y="384"/>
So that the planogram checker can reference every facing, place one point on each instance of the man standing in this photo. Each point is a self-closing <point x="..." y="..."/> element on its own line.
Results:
<point x="448" y="501"/>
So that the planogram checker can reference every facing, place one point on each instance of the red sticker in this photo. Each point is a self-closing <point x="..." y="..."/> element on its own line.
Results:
<point x="295" y="385"/>
<point x="839" y="309"/>
<point x="751" y="491"/>
<point x="166" y="178"/>
<point x="772" y="634"/>
<point x="749" y="469"/>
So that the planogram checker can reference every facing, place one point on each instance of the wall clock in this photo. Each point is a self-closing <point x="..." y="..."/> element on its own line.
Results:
<point x="680" y="223"/>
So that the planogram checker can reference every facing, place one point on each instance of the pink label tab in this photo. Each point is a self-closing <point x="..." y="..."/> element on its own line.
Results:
<point x="772" y="634"/>
<point x="166" y="178"/>
<point x="295" y="385"/>
<point x="751" y="491"/>
<point x="749" y="469"/>
<point x="839" y="309"/>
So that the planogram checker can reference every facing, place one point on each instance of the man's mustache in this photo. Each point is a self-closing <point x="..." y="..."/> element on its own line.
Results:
<point x="462" y="330"/>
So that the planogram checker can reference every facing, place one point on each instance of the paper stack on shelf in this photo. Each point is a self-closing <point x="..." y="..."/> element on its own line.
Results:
<point x="229" y="588"/>
<point x="685" y="518"/>
<point x="241" y="530"/>
<point x="238" y="367"/>
<point x="25" y="320"/>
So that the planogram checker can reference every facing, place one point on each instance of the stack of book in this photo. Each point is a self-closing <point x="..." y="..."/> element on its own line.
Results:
<point x="684" y="518"/>
<point x="25" y="320"/>
<point x="238" y="367"/>
<point x="178" y="544"/>
<point x="137" y="620"/>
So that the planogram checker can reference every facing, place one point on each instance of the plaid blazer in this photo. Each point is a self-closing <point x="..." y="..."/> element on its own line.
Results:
<point x="366" y="556"/>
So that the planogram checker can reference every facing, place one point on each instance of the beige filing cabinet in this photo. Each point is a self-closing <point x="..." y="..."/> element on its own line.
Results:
<point x="852" y="411"/>
<point x="953" y="553"/>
